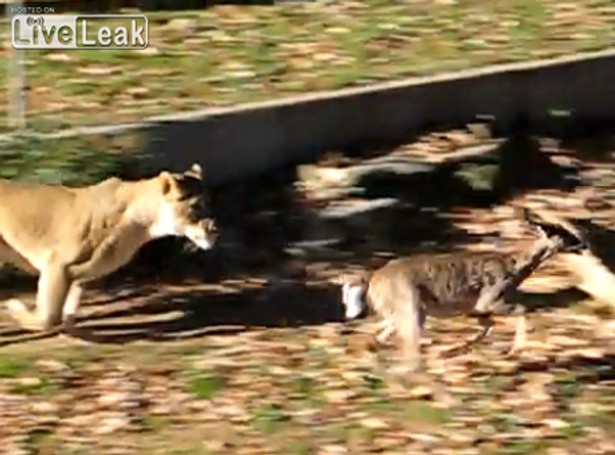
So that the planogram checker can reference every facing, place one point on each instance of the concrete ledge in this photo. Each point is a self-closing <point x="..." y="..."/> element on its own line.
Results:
<point x="233" y="143"/>
<point x="240" y="141"/>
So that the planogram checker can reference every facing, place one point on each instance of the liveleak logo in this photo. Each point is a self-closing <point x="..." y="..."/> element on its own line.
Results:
<point x="79" y="31"/>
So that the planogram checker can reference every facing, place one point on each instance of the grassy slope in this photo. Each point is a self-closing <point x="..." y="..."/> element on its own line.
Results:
<point x="229" y="54"/>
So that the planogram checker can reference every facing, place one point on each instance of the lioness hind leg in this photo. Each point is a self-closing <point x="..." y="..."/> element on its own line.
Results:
<point x="8" y="254"/>
<point x="72" y="303"/>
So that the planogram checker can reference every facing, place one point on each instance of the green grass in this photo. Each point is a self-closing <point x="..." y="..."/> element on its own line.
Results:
<point x="226" y="55"/>
<point x="12" y="367"/>
<point x="300" y="448"/>
<point x="523" y="447"/>
<point x="43" y="387"/>
<point x="373" y="382"/>
<point x="603" y="419"/>
<point x="269" y="418"/>
<point x="304" y="386"/>
<point x="205" y="387"/>
<point x="72" y="161"/>
<point x="573" y="431"/>
<point x="155" y="423"/>
<point x="43" y="441"/>
<point x="425" y="412"/>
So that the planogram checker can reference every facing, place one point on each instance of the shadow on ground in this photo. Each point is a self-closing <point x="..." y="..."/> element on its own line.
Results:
<point x="601" y="241"/>
<point x="261" y="217"/>
<point x="189" y="313"/>
<point x="591" y="370"/>
<point x="536" y="301"/>
<point x="518" y="165"/>
<point x="182" y="314"/>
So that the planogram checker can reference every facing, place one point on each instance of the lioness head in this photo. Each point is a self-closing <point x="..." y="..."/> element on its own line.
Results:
<point x="183" y="210"/>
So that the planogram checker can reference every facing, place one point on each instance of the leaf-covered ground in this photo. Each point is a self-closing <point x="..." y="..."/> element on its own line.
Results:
<point x="314" y="390"/>
<point x="232" y="54"/>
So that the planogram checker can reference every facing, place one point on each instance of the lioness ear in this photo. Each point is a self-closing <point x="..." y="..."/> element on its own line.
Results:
<point x="167" y="182"/>
<point x="195" y="171"/>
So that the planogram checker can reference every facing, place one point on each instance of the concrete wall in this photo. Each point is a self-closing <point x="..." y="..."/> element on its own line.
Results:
<point x="242" y="141"/>
<point x="232" y="143"/>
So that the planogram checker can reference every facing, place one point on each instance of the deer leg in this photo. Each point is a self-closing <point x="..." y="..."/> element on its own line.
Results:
<point x="409" y="318"/>
<point x="491" y="301"/>
<point x="520" y="339"/>
<point x="384" y="330"/>
<point x="486" y="324"/>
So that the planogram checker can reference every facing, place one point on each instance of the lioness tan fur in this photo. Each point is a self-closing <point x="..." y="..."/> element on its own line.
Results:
<point x="69" y="236"/>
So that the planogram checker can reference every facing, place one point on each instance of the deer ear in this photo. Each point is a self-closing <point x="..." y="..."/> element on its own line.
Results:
<point x="195" y="171"/>
<point x="534" y="221"/>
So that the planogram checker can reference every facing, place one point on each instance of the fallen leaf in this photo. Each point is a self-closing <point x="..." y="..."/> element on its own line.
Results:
<point x="373" y="423"/>
<point x="99" y="70"/>
<point x="556" y="424"/>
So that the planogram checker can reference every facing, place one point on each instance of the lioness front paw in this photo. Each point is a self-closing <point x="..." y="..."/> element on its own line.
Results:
<point x="16" y="306"/>
<point x="20" y="312"/>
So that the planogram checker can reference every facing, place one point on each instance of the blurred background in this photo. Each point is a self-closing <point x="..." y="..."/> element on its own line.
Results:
<point x="334" y="136"/>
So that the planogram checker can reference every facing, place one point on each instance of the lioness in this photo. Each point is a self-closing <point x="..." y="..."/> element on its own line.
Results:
<point x="70" y="236"/>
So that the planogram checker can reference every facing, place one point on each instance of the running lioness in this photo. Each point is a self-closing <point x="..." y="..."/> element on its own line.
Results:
<point x="69" y="236"/>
